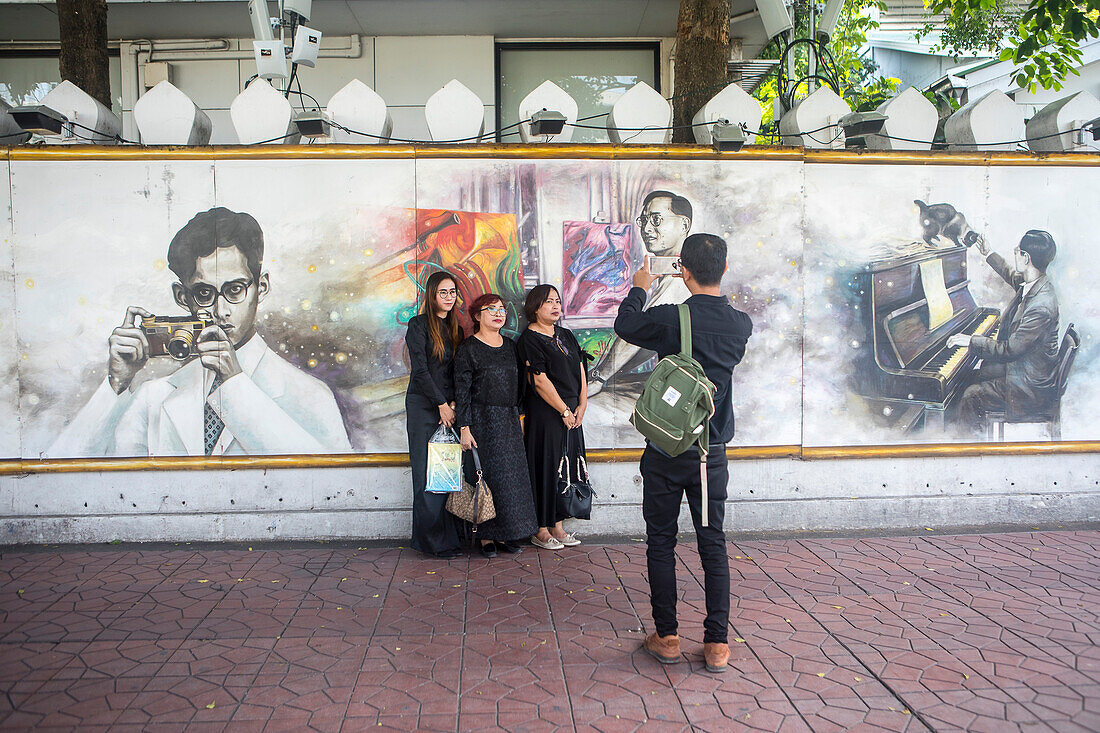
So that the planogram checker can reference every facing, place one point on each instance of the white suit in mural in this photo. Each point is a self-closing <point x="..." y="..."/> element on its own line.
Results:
<point x="269" y="408"/>
<point x="664" y="225"/>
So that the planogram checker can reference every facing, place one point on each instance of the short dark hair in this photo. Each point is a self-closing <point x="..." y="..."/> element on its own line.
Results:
<point x="679" y="205"/>
<point x="704" y="255"/>
<point x="535" y="298"/>
<point x="1040" y="246"/>
<point x="480" y="303"/>
<point x="208" y="230"/>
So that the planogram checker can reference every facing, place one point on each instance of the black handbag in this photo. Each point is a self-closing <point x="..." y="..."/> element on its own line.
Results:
<point x="575" y="492"/>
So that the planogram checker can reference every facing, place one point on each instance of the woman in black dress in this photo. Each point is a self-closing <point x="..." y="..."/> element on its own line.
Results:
<point x="554" y="407"/>
<point x="431" y="339"/>
<point x="487" y="394"/>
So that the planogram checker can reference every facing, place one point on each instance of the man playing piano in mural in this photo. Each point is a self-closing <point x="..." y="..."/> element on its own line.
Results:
<point x="233" y="394"/>
<point x="664" y="224"/>
<point x="1018" y="365"/>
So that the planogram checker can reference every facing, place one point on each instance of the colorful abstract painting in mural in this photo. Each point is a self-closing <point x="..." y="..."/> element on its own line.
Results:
<point x="482" y="252"/>
<point x="595" y="268"/>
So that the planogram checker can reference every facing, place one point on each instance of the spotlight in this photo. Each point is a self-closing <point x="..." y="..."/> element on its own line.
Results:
<point x="312" y="124"/>
<point x="727" y="137"/>
<point x="858" y="125"/>
<point x="1094" y="126"/>
<point x="40" y="120"/>
<point x="547" y="122"/>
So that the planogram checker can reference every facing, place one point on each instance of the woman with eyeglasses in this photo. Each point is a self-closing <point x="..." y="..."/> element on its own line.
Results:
<point x="554" y="364"/>
<point x="431" y="340"/>
<point x="487" y="395"/>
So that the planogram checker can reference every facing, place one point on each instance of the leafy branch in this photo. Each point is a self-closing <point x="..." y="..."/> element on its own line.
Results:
<point x="1044" y="39"/>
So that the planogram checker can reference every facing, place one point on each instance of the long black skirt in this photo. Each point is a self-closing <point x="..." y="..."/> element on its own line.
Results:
<point x="434" y="529"/>
<point x="544" y="440"/>
<point x="504" y="465"/>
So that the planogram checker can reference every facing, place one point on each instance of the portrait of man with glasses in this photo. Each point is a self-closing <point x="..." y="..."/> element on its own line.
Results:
<point x="664" y="223"/>
<point x="232" y="394"/>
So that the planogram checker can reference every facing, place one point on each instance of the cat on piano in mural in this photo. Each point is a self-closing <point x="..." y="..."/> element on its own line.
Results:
<point x="1019" y="364"/>
<point x="945" y="221"/>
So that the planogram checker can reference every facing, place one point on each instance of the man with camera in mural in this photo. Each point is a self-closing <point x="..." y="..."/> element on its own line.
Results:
<point x="232" y="394"/>
<point x="664" y="225"/>
<point x="1020" y="365"/>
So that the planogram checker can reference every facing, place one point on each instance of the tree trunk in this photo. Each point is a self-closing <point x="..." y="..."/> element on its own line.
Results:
<point x="702" y="50"/>
<point x="83" y="57"/>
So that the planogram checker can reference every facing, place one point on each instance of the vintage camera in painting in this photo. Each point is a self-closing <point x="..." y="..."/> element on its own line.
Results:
<point x="174" y="336"/>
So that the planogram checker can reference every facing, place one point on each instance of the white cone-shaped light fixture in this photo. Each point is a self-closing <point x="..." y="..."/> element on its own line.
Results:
<point x="91" y="121"/>
<point x="261" y="114"/>
<point x="640" y="117"/>
<point x="166" y="116"/>
<point x="810" y="123"/>
<point x="455" y="113"/>
<point x="732" y="104"/>
<point x="1052" y="129"/>
<point x="548" y="96"/>
<point x="909" y="115"/>
<point x="358" y="107"/>
<point x="991" y="122"/>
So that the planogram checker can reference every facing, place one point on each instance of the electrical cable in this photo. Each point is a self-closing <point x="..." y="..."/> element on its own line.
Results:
<point x="494" y="133"/>
<point x="643" y="129"/>
<point x="301" y="94"/>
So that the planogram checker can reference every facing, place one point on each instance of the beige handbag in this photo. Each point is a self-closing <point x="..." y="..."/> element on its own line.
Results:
<point x="473" y="503"/>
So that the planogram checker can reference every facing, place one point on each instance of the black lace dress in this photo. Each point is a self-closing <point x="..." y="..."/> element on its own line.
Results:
<point x="487" y="396"/>
<point x="561" y="359"/>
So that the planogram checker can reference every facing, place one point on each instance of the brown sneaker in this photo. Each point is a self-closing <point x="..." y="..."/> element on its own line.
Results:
<point x="717" y="656"/>
<point x="665" y="649"/>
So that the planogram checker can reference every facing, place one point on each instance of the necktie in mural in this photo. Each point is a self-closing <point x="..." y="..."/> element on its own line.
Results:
<point x="211" y="423"/>
<point x="1010" y="313"/>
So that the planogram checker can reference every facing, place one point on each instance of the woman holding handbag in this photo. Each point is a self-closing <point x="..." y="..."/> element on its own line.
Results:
<point x="487" y="395"/>
<point x="431" y="340"/>
<point x="554" y="409"/>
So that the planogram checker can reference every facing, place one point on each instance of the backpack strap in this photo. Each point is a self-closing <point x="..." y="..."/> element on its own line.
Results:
<point x="685" y="330"/>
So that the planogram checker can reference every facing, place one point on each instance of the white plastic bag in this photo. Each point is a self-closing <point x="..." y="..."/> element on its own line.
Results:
<point x="444" y="462"/>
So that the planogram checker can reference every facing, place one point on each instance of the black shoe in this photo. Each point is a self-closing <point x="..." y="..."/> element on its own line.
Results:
<point x="449" y="554"/>
<point x="512" y="548"/>
<point x="489" y="550"/>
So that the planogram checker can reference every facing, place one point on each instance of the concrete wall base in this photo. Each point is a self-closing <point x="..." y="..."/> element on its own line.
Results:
<point x="373" y="503"/>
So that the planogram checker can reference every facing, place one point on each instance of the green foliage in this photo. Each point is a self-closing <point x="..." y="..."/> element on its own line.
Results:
<point x="1044" y="41"/>
<point x="858" y="77"/>
<point x="973" y="30"/>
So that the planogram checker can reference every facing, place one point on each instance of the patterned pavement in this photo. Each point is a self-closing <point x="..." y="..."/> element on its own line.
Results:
<point x="994" y="632"/>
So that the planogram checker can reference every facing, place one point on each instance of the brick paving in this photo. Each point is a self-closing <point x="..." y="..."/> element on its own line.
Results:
<point x="993" y="632"/>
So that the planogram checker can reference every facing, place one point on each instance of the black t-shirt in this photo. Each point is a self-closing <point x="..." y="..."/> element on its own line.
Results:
<point x="485" y="375"/>
<point x="558" y="357"/>
<point x="430" y="377"/>
<point x="719" y="333"/>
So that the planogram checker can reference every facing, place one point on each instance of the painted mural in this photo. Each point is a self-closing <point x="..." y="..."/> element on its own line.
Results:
<point x="959" y="314"/>
<point x="891" y="304"/>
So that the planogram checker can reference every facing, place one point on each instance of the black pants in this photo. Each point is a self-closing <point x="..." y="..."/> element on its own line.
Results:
<point x="434" y="529"/>
<point x="664" y="482"/>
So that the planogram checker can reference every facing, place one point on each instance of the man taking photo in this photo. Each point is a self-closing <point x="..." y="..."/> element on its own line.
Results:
<point x="719" y="333"/>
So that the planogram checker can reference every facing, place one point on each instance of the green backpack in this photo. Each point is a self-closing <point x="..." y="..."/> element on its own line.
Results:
<point x="676" y="404"/>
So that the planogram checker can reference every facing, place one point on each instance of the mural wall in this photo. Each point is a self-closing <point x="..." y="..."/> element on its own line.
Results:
<point x="877" y="317"/>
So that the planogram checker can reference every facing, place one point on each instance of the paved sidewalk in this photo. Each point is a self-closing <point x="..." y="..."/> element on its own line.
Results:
<point x="993" y="632"/>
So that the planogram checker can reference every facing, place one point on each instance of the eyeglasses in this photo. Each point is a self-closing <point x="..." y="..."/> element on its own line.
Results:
<point x="656" y="219"/>
<point x="496" y="311"/>
<point x="448" y="293"/>
<point x="205" y="296"/>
